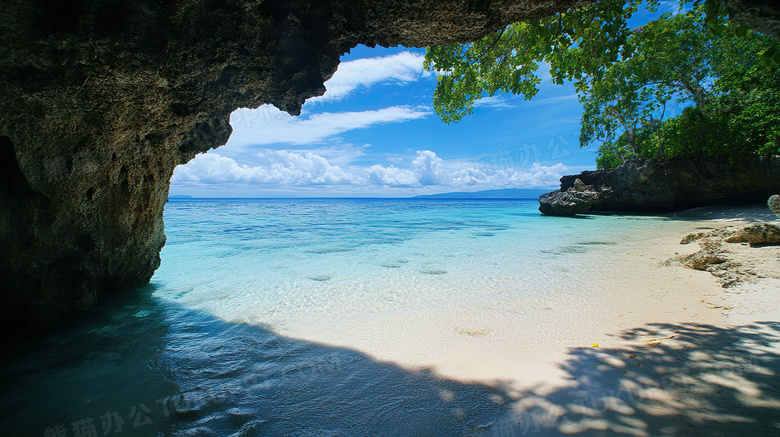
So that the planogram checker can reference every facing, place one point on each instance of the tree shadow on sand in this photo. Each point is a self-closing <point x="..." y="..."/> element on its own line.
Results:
<point x="744" y="214"/>
<point x="669" y="379"/>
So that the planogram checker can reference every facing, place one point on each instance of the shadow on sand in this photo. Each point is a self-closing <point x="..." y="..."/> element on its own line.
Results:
<point x="669" y="379"/>
<point x="141" y="366"/>
<point x="744" y="214"/>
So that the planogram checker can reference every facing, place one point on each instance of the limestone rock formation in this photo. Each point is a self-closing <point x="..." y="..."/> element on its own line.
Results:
<point x="567" y="203"/>
<point x="774" y="203"/>
<point x="668" y="185"/>
<point x="756" y="235"/>
<point x="733" y="263"/>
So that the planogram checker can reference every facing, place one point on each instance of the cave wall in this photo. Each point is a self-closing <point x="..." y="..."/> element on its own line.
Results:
<point x="101" y="99"/>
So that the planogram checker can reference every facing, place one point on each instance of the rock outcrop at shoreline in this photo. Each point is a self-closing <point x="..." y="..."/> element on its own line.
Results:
<point x="665" y="185"/>
<point x="735" y="254"/>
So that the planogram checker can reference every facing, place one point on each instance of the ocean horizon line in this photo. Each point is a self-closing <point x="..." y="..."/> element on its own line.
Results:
<point x="174" y="198"/>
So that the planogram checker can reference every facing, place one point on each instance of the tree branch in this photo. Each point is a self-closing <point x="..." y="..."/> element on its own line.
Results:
<point x="490" y="47"/>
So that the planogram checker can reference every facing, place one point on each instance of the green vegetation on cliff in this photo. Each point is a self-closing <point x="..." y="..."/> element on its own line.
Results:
<point x="729" y="91"/>
<point x="724" y="77"/>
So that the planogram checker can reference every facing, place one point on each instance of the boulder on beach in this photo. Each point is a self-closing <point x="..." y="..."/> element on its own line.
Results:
<point x="567" y="203"/>
<point x="757" y="234"/>
<point x="774" y="203"/>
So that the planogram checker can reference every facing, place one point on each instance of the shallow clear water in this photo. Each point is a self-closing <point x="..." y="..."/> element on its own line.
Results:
<point x="291" y="262"/>
<point x="254" y="322"/>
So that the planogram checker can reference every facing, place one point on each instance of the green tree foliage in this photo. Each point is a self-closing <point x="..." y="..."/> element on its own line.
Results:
<point x="576" y="44"/>
<point x="728" y="88"/>
<point x="670" y="63"/>
<point x="627" y="79"/>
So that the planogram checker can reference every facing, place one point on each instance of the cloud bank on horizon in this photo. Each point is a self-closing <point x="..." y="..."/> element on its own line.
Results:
<point x="372" y="133"/>
<point x="283" y="168"/>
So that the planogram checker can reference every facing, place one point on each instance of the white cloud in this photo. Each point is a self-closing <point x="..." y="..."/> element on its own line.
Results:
<point x="391" y="176"/>
<point x="496" y="102"/>
<point x="427" y="169"/>
<point x="268" y="125"/>
<point x="337" y="153"/>
<point x="280" y="168"/>
<point x="565" y="99"/>
<point x="671" y="6"/>
<point x="401" y="67"/>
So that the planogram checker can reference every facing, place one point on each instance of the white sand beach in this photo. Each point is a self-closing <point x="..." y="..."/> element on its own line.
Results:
<point x="638" y="348"/>
<point x="694" y="359"/>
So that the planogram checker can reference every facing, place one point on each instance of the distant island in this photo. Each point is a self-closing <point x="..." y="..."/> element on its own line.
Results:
<point x="506" y="193"/>
<point x="180" y="196"/>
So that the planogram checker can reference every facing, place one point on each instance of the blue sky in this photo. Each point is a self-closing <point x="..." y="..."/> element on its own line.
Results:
<point x="374" y="134"/>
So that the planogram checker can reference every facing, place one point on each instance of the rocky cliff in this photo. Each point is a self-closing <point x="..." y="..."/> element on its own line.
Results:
<point x="666" y="185"/>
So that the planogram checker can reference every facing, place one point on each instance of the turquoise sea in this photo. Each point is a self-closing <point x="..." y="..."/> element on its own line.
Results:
<point x="316" y="317"/>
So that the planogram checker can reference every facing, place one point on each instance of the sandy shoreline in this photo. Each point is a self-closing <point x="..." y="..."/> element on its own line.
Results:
<point x="713" y="374"/>
<point x="657" y="350"/>
<point x="756" y="296"/>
